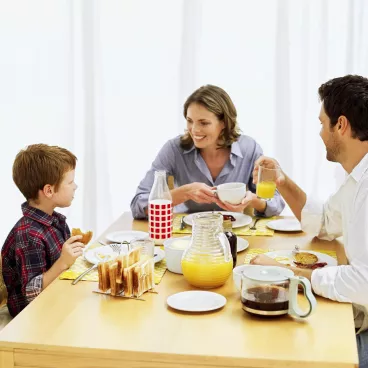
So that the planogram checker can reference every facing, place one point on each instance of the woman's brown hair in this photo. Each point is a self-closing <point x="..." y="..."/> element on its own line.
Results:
<point x="216" y="100"/>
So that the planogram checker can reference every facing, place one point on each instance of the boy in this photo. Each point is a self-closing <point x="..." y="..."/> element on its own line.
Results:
<point x="39" y="247"/>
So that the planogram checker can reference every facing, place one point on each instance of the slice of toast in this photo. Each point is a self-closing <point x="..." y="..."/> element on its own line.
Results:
<point x="128" y="280"/>
<point x="143" y="277"/>
<point x="134" y="256"/>
<point x="116" y="288"/>
<point x="123" y="262"/>
<point x="104" y="276"/>
<point x="86" y="237"/>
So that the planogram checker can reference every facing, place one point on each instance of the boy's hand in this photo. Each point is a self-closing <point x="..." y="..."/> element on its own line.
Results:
<point x="71" y="250"/>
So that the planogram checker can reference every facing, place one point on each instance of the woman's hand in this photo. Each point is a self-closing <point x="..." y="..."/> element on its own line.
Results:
<point x="200" y="193"/>
<point x="249" y="200"/>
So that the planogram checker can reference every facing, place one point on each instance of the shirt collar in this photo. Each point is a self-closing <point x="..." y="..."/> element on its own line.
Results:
<point x="360" y="169"/>
<point x="235" y="150"/>
<point x="40" y="216"/>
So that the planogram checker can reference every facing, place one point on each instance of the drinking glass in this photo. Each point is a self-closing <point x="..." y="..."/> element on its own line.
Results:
<point x="266" y="185"/>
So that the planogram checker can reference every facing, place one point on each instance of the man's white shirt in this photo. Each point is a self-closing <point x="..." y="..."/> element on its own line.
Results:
<point x="344" y="214"/>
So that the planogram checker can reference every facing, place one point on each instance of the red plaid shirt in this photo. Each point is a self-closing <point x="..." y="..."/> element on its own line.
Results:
<point x="31" y="248"/>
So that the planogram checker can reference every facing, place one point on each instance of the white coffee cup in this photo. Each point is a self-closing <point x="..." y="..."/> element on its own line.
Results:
<point x="174" y="249"/>
<point x="231" y="192"/>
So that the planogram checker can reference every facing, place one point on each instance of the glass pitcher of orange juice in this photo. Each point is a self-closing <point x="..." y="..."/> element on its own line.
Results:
<point x="207" y="262"/>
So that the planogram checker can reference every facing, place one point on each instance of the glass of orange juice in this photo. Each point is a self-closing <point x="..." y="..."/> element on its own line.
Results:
<point x="266" y="185"/>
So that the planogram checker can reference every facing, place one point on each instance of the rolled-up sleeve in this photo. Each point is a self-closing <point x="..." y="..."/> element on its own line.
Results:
<point x="164" y="161"/>
<point x="34" y="288"/>
<point x="275" y="205"/>
<point x="322" y="220"/>
<point x="345" y="283"/>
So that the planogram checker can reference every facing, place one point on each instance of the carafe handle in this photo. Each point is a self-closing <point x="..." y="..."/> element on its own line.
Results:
<point x="225" y="246"/>
<point x="294" y="309"/>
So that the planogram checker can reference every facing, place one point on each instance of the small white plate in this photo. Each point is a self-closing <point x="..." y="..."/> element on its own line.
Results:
<point x="102" y="253"/>
<point x="240" y="218"/>
<point x="196" y="301"/>
<point x="284" y="225"/>
<point x="105" y="253"/>
<point x="128" y="235"/>
<point x="289" y="255"/>
<point x="242" y="244"/>
<point x="160" y="254"/>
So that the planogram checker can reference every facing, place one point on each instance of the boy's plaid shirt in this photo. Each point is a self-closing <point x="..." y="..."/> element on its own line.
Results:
<point x="31" y="248"/>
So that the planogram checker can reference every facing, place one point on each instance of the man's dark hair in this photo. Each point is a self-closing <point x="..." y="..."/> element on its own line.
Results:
<point x="347" y="96"/>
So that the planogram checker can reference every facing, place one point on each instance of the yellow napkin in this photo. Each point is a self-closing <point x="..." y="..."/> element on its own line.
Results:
<point x="255" y="251"/>
<point x="261" y="228"/>
<point x="80" y="265"/>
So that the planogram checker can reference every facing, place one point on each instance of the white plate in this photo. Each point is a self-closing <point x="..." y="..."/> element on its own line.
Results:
<point x="240" y="218"/>
<point x="160" y="254"/>
<point x="289" y="254"/>
<point x="196" y="301"/>
<point x="91" y="255"/>
<point x="284" y="225"/>
<point x="242" y="244"/>
<point x="128" y="235"/>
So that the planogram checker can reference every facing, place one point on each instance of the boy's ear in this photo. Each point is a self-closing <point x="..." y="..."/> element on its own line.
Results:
<point x="48" y="190"/>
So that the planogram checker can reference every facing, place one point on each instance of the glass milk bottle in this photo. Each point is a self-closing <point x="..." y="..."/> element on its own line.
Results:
<point x="160" y="211"/>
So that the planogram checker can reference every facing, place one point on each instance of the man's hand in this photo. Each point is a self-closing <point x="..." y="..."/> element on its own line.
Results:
<point x="72" y="249"/>
<point x="269" y="163"/>
<point x="263" y="260"/>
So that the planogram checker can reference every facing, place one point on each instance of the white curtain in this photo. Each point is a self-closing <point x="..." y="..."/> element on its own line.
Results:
<point x="108" y="79"/>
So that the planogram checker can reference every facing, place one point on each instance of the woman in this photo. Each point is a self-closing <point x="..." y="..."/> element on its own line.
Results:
<point x="211" y="152"/>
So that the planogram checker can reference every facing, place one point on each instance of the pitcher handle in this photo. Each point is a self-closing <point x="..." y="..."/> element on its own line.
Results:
<point x="225" y="245"/>
<point x="294" y="309"/>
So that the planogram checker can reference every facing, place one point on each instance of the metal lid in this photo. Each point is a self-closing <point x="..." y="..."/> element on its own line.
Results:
<point x="268" y="273"/>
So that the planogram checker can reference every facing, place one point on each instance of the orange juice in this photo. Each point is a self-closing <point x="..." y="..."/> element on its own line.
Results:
<point x="266" y="189"/>
<point x="206" y="272"/>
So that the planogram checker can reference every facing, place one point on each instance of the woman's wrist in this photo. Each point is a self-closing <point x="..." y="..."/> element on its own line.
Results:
<point x="180" y="194"/>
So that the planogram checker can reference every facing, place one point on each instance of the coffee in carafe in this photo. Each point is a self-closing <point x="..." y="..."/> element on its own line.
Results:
<point x="268" y="298"/>
<point x="272" y="291"/>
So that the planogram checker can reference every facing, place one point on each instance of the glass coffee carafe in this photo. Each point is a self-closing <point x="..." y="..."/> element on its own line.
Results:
<point x="272" y="291"/>
<point x="207" y="262"/>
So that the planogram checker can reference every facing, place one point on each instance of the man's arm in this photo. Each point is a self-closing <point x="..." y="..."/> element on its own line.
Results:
<point x="294" y="196"/>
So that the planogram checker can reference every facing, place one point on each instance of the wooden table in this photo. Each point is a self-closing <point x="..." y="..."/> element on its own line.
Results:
<point x="69" y="326"/>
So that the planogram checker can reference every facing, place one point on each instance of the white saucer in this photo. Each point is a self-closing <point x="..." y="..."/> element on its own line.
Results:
<point x="196" y="301"/>
<point x="127" y="235"/>
<point x="242" y="244"/>
<point x="240" y="218"/>
<point x="284" y="225"/>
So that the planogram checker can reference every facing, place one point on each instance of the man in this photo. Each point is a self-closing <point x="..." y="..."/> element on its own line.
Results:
<point x="344" y="131"/>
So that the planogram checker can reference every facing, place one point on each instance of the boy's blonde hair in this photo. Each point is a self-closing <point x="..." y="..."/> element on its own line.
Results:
<point x="40" y="164"/>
